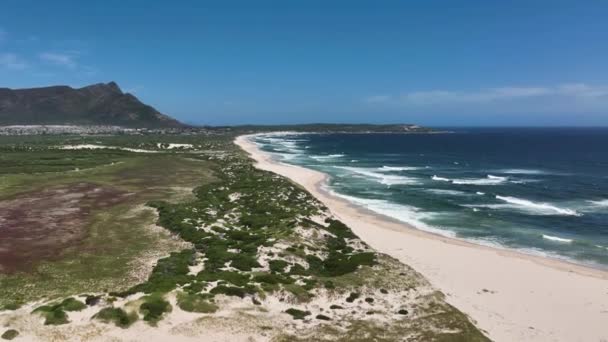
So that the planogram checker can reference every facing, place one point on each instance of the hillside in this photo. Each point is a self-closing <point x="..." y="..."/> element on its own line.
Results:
<point x="97" y="104"/>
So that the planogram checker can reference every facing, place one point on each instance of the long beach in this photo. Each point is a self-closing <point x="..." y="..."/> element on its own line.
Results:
<point x="510" y="295"/>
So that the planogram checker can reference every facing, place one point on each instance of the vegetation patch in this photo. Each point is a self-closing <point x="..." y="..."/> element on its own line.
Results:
<point x="10" y="334"/>
<point x="54" y="314"/>
<point x="154" y="307"/>
<point x="297" y="314"/>
<point x="117" y="316"/>
<point x="195" y="303"/>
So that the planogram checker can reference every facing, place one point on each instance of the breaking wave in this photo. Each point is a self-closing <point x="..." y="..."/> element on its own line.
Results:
<point x="329" y="156"/>
<point x="398" y="168"/>
<point x="489" y="180"/>
<point x="379" y="177"/>
<point x="556" y="239"/>
<point x="538" y="208"/>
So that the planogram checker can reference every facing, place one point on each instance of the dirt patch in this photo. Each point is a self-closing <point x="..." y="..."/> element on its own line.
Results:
<point x="38" y="226"/>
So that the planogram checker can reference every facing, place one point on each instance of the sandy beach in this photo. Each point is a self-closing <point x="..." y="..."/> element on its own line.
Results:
<point x="510" y="295"/>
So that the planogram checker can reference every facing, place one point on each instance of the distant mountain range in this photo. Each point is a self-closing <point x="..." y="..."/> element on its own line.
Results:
<point x="97" y="104"/>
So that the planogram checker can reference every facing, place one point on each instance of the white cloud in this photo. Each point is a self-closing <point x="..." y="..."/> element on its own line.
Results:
<point x="569" y="91"/>
<point x="12" y="61"/>
<point x="67" y="60"/>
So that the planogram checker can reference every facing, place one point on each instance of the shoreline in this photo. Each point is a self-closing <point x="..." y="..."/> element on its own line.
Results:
<point x="486" y="283"/>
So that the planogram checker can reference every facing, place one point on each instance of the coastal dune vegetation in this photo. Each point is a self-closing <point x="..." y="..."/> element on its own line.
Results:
<point x="201" y="244"/>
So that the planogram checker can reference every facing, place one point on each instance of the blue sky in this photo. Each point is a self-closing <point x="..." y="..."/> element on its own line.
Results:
<point x="438" y="63"/>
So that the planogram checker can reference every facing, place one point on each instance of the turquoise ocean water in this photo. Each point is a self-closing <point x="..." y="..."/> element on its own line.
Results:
<point x="538" y="190"/>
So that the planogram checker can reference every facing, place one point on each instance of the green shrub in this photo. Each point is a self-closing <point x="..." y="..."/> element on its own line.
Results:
<point x="117" y="316"/>
<point x="351" y="298"/>
<point x="278" y="265"/>
<point x="297" y="269"/>
<point x="269" y="278"/>
<point x="297" y="314"/>
<point x="300" y="292"/>
<point x="71" y="304"/>
<point x="54" y="314"/>
<point x="10" y="334"/>
<point x="12" y="306"/>
<point x="55" y="317"/>
<point x="195" y="303"/>
<point x="195" y="287"/>
<point x="236" y="278"/>
<point x="244" y="262"/>
<point x="154" y="307"/>
<point x="323" y="317"/>
<point x="229" y="291"/>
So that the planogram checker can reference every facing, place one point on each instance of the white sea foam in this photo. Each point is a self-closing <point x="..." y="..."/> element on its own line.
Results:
<point x="436" y="178"/>
<point x="398" y="168"/>
<point x="556" y="239"/>
<point x="329" y="156"/>
<point x="447" y="192"/>
<point x="522" y="171"/>
<point x="599" y="203"/>
<point x="537" y="208"/>
<point x="379" y="177"/>
<point x="480" y="193"/>
<point x="489" y="180"/>
<point x="404" y="213"/>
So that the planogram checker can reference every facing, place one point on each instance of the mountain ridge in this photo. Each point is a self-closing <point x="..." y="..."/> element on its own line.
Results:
<point x="95" y="104"/>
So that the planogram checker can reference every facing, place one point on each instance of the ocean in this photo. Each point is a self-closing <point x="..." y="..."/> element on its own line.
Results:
<point x="541" y="191"/>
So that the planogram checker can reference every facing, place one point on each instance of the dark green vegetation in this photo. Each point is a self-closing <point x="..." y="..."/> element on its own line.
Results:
<point x="97" y="104"/>
<point x="195" y="303"/>
<point x="117" y="316"/>
<point x="55" y="314"/>
<point x="297" y="314"/>
<point x="154" y="307"/>
<point x="10" y="334"/>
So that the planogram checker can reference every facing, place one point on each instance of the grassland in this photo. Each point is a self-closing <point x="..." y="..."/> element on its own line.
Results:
<point x="205" y="235"/>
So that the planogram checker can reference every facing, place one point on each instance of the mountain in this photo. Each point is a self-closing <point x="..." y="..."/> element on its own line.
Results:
<point x="97" y="104"/>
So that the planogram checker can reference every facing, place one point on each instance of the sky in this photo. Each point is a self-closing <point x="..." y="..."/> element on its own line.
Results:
<point x="436" y="63"/>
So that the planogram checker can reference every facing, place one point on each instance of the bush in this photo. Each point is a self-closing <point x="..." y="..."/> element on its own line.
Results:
<point x="323" y="317"/>
<point x="10" y="334"/>
<point x="117" y="316"/>
<point x="166" y="275"/>
<point x="71" y="304"/>
<point x="154" y="307"/>
<point x="297" y="314"/>
<point x="300" y="292"/>
<point x="54" y="314"/>
<point x="11" y="306"/>
<point x="229" y="291"/>
<point x="55" y="317"/>
<point x="195" y="303"/>
<point x="351" y="298"/>
<point x="278" y="266"/>
<point x="244" y="262"/>
<point x="236" y="278"/>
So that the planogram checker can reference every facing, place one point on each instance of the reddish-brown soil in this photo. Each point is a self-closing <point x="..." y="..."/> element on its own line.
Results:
<point x="38" y="226"/>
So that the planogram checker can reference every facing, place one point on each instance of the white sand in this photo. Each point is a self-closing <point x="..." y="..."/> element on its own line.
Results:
<point x="512" y="296"/>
